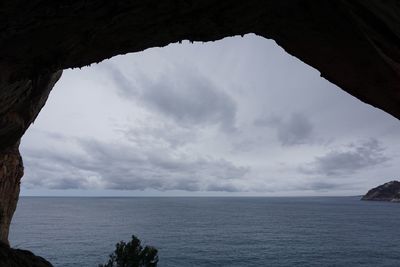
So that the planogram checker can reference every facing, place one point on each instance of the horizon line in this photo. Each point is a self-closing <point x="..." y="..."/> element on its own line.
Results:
<point x="180" y="196"/>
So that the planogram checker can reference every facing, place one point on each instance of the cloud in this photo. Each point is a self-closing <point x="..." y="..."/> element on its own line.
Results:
<point x="163" y="119"/>
<point x="151" y="131"/>
<point x="182" y="94"/>
<point x="294" y="130"/>
<point x="323" y="186"/>
<point x="128" y="167"/>
<point x="348" y="160"/>
<point x="125" y="87"/>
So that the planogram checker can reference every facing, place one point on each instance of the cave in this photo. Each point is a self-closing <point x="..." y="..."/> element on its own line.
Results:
<point x="353" y="44"/>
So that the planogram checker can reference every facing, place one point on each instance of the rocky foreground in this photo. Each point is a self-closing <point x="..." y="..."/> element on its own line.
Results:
<point x="10" y="257"/>
<point x="387" y="192"/>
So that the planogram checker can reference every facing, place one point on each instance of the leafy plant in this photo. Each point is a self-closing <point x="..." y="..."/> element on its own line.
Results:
<point x="132" y="254"/>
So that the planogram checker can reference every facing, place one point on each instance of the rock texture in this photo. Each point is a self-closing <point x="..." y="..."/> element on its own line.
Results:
<point x="11" y="172"/>
<point x="353" y="43"/>
<point x="387" y="192"/>
<point x="20" y="258"/>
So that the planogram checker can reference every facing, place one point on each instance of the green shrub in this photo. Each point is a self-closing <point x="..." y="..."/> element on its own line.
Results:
<point x="132" y="254"/>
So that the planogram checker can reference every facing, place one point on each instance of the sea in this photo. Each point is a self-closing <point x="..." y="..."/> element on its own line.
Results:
<point x="212" y="231"/>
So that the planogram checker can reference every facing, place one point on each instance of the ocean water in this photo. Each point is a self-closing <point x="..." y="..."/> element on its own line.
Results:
<point x="316" y="231"/>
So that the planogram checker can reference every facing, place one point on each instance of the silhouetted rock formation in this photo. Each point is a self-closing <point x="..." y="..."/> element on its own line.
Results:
<point x="10" y="257"/>
<point x="387" y="192"/>
<point x="353" y="43"/>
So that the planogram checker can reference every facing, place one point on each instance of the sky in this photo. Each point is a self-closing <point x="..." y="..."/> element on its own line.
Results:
<point x="235" y="117"/>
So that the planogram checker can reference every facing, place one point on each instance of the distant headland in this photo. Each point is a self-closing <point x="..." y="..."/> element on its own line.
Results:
<point x="387" y="192"/>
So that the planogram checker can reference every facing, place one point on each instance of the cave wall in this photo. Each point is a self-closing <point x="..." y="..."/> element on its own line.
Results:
<point x="355" y="44"/>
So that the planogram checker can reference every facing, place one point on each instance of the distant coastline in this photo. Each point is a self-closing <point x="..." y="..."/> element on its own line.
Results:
<point x="389" y="191"/>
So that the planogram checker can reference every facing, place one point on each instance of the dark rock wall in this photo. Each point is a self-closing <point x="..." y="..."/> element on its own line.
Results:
<point x="11" y="172"/>
<point x="20" y="258"/>
<point x="353" y="43"/>
<point x="20" y="103"/>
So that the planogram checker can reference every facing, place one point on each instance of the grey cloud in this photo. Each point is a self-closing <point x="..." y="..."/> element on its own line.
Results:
<point x="182" y="94"/>
<point x="162" y="133"/>
<point x="267" y="121"/>
<point x="323" y="186"/>
<point x="294" y="130"/>
<point x="223" y="187"/>
<point x="110" y="166"/>
<point x="125" y="86"/>
<point x="349" y="160"/>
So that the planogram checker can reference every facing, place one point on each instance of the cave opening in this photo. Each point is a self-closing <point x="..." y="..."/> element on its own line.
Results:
<point x="228" y="132"/>
<point x="235" y="117"/>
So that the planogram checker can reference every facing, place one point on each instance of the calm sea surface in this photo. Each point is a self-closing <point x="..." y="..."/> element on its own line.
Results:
<point x="213" y="231"/>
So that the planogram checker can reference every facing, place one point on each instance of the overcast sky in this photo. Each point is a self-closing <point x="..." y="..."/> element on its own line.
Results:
<point x="234" y="117"/>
